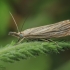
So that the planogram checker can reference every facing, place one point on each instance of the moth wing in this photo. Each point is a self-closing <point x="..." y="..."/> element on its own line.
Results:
<point x="51" y="30"/>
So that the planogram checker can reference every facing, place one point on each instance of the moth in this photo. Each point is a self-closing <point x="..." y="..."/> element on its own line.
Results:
<point x="56" y="30"/>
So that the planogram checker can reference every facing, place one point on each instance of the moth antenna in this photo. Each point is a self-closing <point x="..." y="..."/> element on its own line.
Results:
<point x="23" y="24"/>
<point x="14" y="21"/>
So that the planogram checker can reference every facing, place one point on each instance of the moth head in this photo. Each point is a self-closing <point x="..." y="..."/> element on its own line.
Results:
<point x="18" y="35"/>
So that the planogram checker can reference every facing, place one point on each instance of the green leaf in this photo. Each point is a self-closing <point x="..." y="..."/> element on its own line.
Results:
<point x="25" y="50"/>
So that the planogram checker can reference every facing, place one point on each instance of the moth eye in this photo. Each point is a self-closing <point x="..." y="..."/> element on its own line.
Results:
<point x="21" y="35"/>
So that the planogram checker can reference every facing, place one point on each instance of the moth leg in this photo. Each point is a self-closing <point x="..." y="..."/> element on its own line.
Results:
<point x="54" y="42"/>
<point x="50" y="40"/>
<point x="20" y="40"/>
<point x="46" y="40"/>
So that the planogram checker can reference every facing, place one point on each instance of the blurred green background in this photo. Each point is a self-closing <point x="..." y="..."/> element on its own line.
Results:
<point x="39" y="12"/>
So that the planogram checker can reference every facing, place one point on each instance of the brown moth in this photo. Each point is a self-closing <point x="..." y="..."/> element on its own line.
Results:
<point x="56" y="30"/>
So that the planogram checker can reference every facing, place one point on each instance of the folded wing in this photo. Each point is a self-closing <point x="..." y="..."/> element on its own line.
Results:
<point x="59" y="29"/>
